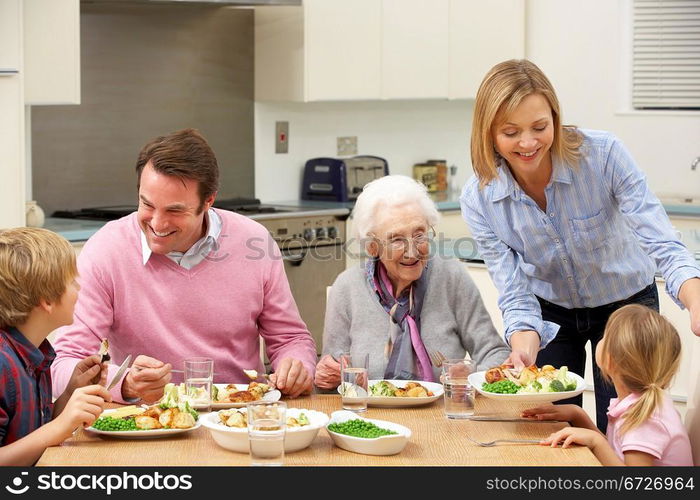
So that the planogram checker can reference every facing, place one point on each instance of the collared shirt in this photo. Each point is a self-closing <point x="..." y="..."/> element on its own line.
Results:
<point x="601" y="240"/>
<point x="25" y="385"/>
<point x="662" y="435"/>
<point x="197" y="252"/>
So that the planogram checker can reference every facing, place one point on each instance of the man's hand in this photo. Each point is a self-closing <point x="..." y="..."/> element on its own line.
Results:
<point x="87" y="371"/>
<point x="292" y="378"/>
<point x="327" y="373"/>
<point x="524" y="346"/>
<point x="146" y="379"/>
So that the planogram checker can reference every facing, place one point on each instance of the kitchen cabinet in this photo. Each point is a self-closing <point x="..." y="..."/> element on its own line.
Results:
<point x="482" y="34"/>
<point x="12" y="187"/>
<point x="51" y="52"/>
<point x="382" y="49"/>
<point x="452" y="226"/>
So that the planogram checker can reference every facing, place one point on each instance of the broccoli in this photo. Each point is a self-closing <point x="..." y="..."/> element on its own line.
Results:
<point x="383" y="388"/>
<point x="532" y="388"/>
<point x="170" y="397"/>
<point x="568" y="382"/>
<point x="214" y="393"/>
<point x="186" y="408"/>
<point x="303" y="419"/>
<point x="556" y="386"/>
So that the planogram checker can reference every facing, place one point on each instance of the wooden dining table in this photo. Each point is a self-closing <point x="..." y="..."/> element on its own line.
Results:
<point x="435" y="441"/>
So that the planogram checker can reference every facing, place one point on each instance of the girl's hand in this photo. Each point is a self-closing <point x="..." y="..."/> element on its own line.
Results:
<point x="563" y="413"/>
<point x="327" y="373"/>
<point x="573" y="435"/>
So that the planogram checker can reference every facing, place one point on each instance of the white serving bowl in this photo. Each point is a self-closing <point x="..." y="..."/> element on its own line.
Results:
<point x="236" y="438"/>
<point x="384" y="445"/>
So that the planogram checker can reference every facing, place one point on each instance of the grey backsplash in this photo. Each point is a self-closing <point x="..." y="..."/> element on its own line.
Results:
<point x="147" y="70"/>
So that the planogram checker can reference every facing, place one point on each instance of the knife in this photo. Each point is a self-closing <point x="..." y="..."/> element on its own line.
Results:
<point x="507" y="419"/>
<point x="120" y="372"/>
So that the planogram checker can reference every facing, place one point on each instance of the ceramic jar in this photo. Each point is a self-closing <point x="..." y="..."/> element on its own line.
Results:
<point x="34" y="214"/>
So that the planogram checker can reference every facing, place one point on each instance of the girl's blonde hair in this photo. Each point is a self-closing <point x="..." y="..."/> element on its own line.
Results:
<point x="504" y="87"/>
<point x="35" y="264"/>
<point x="643" y="350"/>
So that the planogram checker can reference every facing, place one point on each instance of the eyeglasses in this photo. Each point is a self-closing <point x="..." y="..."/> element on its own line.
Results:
<point x="401" y="243"/>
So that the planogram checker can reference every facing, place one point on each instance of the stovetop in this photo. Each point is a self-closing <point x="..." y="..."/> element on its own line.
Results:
<point x="243" y="206"/>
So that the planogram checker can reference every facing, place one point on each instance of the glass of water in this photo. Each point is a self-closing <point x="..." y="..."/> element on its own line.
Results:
<point x="354" y="381"/>
<point x="267" y="424"/>
<point x="459" y="393"/>
<point x="199" y="375"/>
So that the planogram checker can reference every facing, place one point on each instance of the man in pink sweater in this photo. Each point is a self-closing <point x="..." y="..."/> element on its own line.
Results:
<point x="178" y="279"/>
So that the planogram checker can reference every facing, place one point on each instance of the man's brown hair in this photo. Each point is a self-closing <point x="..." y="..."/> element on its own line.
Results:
<point x="184" y="154"/>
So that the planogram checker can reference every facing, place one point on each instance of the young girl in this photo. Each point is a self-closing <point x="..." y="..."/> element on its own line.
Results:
<point x="639" y="353"/>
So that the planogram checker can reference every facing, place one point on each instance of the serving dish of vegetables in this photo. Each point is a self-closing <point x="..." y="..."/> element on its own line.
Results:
<point x="531" y="384"/>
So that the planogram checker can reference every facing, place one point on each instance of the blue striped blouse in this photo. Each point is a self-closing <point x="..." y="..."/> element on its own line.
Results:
<point x="602" y="238"/>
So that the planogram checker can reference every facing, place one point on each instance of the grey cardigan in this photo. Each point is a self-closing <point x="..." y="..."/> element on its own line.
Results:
<point x="453" y="318"/>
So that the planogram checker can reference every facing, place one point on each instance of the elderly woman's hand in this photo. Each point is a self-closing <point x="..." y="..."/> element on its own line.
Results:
<point x="327" y="373"/>
<point x="524" y="346"/>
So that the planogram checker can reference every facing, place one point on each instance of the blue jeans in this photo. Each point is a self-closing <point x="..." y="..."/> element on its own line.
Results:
<point x="579" y="326"/>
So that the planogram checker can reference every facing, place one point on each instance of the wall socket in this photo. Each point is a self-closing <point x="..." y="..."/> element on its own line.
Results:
<point x="281" y="137"/>
<point x="347" y="146"/>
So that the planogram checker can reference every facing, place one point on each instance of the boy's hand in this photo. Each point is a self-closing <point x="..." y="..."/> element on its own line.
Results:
<point x="88" y="371"/>
<point x="146" y="379"/>
<point x="82" y="409"/>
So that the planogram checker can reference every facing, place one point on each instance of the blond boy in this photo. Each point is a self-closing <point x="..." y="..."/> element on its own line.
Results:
<point x="38" y="292"/>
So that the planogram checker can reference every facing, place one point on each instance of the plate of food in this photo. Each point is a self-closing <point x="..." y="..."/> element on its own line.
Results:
<point x="393" y="393"/>
<point x="531" y="384"/>
<point x="237" y="395"/>
<point x="145" y="423"/>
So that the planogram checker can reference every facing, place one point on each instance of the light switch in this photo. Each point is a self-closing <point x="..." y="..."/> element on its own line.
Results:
<point x="281" y="137"/>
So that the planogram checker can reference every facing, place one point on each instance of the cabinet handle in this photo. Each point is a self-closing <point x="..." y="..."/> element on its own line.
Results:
<point x="8" y="72"/>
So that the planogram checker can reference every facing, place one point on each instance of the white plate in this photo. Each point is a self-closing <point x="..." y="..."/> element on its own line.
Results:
<point x="393" y="402"/>
<point x="295" y="438"/>
<point x="144" y="434"/>
<point x="273" y="395"/>
<point x="383" y="445"/>
<point x="477" y="380"/>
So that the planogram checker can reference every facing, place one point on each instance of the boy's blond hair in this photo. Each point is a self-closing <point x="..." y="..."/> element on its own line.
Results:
<point x="35" y="264"/>
<point x="504" y="87"/>
<point x="643" y="349"/>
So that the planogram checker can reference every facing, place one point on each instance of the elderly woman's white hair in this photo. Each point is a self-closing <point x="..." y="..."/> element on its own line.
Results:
<point x="386" y="192"/>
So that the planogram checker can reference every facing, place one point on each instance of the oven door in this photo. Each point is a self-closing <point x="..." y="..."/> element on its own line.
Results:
<point x="310" y="271"/>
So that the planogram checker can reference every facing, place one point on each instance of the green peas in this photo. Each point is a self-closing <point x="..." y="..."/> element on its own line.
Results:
<point x="501" y="387"/>
<point x="115" y="424"/>
<point x="359" y="428"/>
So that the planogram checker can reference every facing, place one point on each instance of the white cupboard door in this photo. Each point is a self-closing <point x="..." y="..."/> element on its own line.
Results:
<point x="482" y="34"/>
<point x="11" y="152"/>
<point x="10" y="33"/>
<point x="414" y="49"/>
<point x="51" y="52"/>
<point x="342" y="49"/>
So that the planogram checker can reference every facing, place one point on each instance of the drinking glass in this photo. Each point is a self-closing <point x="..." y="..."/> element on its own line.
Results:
<point x="354" y="381"/>
<point x="267" y="423"/>
<point x="459" y="393"/>
<point x="199" y="374"/>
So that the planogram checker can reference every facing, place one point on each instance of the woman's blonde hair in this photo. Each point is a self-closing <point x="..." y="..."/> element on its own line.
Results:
<point x="643" y="350"/>
<point x="35" y="264"/>
<point x="504" y="87"/>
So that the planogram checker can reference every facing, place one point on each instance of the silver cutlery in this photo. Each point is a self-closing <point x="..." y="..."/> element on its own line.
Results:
<point x="436" y="358"/>
<point x="496" y="441"/>
<point x="120" y="372"/>
<point x="507" y="419"/>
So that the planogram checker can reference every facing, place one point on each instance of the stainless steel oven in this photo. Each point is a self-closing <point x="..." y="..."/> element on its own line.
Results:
<point x="312" y="246"/>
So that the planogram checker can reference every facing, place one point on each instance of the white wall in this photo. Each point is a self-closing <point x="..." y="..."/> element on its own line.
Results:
<point x="579" y="45"/>
<point x="403" y="132"/>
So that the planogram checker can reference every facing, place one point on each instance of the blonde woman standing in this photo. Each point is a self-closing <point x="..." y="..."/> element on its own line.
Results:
<point x="640" y="354"/>
<point x="566" y="224"/>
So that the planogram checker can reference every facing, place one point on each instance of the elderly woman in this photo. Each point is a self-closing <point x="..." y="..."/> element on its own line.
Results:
<point x="402" y="303"/>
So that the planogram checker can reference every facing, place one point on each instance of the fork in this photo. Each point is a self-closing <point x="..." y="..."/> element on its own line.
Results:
<point x="436" y="358"/>
<point x="496" y="441"/>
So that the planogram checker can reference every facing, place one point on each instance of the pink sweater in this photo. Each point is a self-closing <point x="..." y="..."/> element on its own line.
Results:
<point x="217" y="309"/>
